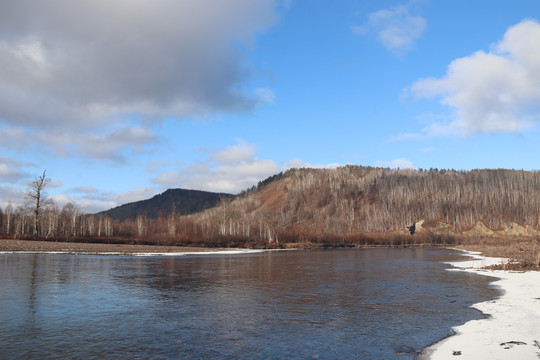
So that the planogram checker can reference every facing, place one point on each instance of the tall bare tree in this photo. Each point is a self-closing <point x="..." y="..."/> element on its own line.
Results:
<point x="35" y="195"/>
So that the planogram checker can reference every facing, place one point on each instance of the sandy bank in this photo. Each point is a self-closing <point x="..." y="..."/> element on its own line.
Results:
<point x="512" y="330"/>
<point x="29" y="246"/>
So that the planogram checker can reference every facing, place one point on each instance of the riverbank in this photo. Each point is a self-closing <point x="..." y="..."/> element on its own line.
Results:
<point x="31" y="246"/>
<point x="512" y="330"/>
<point x="522" y="254"/>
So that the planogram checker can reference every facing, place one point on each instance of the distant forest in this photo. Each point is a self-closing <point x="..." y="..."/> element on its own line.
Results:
<point x="348" y="205"/>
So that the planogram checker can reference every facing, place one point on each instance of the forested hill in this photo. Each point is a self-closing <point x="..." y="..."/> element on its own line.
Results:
<point x="181" y="201"/>
<point x="343" y="204"/>
<point x="357" y="199"/>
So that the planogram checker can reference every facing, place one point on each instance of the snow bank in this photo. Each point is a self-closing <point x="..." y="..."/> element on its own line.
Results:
<point x="220" y="252"/>
<point x="73" y="252"/>
<point x="512" y="330"/>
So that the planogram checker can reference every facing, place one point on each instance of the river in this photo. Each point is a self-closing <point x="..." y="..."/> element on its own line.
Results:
<point x="315" y="304"/>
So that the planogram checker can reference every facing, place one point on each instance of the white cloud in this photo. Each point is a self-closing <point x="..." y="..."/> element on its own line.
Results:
<point x="10" y="194"/>
<point x="490" y="92"/>
<point x="399" y="163"/>
<point x="396" y="27"/>
<point x="55" y="184"/>
<point x="231" y="169"/>
<point x="241" y="152"/>
<point x="299" y="164"/>
<point x="265" y="95"/>
<point x="91" y="200"/>
<point x="112" y="145"/>
<point x="137" y="194"/>
<point x="86" y="189"/>
<point x="61" y="200"/>
<point x="64" y="63"/>
<point x="11" y="171"/>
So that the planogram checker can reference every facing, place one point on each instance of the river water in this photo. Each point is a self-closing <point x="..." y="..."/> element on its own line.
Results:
<point x="317" y="304"/>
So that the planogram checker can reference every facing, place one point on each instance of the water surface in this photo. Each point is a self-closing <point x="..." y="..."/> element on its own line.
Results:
<point x="326" y="304"/>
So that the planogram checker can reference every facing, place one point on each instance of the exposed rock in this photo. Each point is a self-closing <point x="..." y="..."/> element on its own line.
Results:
<point x="439" y="227"/>
<point x="532" y="231"/>
<point x="513" y="229"/>
<point x="446" y="228"/>
<point x="417" y="227"/>
<point x="479" y="230"/>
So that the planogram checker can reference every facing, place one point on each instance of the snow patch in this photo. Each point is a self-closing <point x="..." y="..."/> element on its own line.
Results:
<point x="512" y="330"/>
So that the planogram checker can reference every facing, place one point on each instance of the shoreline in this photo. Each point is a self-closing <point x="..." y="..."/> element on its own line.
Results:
<point x="75" y="248"/>
<point x="512" y="328"/>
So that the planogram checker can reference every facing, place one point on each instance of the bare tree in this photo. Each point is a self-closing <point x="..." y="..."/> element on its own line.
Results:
<point x="35" y="195"/>
<point x="9" y="215"/>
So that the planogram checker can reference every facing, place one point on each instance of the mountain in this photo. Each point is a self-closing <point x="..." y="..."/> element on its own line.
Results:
<point x="346" y="206"/>
<point x="349" y="205"/>
<point x="184" y="202"/>
<point x="321" y="203"/>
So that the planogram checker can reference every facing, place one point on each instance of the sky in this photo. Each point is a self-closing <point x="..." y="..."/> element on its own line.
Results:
<point x="120" y="100"/>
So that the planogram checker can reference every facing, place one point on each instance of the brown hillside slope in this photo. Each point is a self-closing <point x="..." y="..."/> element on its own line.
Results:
<point x="272" y="197"/>
<point x="356" y="199"/>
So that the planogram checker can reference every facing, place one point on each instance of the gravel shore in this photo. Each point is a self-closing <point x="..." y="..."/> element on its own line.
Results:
<point x="84" y="248"/>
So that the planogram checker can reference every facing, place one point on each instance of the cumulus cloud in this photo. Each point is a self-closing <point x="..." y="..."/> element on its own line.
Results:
<point x="490" y="92"/>
<point x="92" y="200"/>
<point x="87" y="205"/>
<point x="11" y="171"/>
<point x="230" y="169"/>
<point x="137" y="194"/>
<point x="399" y="163"/>
<point x="11" y="195"/>
<point x="299" y="164"/>
<point x="55" y="184"/>
<point x="79" y="64"/>
<point x="396" y="27"/>
<point x="111" y="145"/>
<point x="265" y="95"/>
<point x="241" y="152"/>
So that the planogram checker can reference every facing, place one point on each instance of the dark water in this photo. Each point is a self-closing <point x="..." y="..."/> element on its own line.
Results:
<point x="326" y="304"/>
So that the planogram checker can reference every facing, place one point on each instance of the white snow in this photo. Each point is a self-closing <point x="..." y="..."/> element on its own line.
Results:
<point x="220" y="252"/>
<point x="512" y="330"/>
<point x="73" y="252"/>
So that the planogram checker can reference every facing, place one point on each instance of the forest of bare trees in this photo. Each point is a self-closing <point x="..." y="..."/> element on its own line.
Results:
<point x="346" y="204"/>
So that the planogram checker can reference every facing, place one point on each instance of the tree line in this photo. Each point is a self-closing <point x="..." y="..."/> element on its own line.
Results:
<point x="347" y="205"/>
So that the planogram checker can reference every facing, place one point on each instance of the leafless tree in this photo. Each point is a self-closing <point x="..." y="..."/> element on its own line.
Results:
<point x="35" y="195"/>
<point x="9" y="214"/>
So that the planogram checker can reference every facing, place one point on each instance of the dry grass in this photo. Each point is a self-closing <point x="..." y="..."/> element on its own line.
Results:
<point x="524" y="253"/>
<point x="79" y="247"/>
<point x="273" y="196"/>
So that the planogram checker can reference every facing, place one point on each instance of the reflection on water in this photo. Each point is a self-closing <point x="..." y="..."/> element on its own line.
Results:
<point x="368" y="303"/>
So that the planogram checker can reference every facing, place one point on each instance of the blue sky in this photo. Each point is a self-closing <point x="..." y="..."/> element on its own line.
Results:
<point x="120" y="100"/>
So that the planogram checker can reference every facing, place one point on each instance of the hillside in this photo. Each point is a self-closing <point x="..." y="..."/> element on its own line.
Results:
<point x="319" y="203"/>
<point x="350" y="205"/>
<point x="183" y="202"/>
